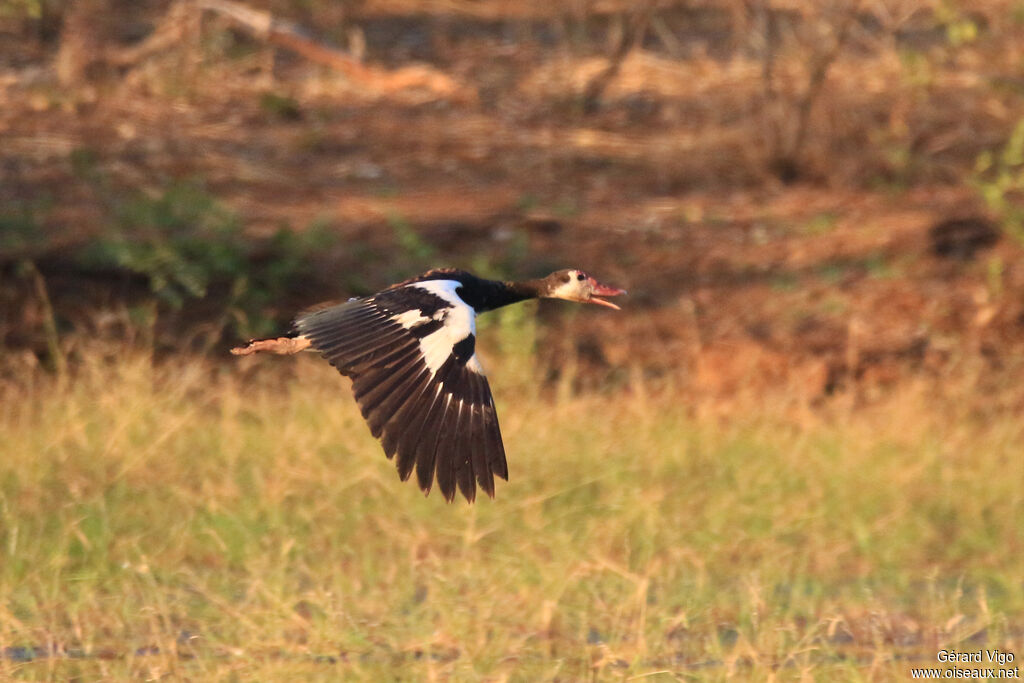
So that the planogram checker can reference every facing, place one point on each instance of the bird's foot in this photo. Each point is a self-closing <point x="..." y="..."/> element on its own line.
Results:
<point x="281" y="346"/>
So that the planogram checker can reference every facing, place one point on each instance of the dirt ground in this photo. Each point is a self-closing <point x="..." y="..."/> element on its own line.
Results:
<point x="859" y="256"/>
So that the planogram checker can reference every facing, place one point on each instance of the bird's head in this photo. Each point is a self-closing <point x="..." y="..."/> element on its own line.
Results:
<point x="575" y="285"/>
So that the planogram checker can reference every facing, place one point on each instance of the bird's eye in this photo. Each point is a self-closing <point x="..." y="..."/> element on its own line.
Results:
<point x="580" y="276"/>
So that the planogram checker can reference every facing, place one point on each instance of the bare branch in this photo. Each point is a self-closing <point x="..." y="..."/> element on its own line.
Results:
<point x="638" y="23"/>
<point x="819" y="72"/>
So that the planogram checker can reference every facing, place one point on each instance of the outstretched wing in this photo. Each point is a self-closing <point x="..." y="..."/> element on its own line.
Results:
<point x="410" y="352"/>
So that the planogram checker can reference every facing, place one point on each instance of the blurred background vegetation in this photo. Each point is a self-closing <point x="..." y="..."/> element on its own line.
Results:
<point x="837" y="184"/>
<point x="817" y="208"/>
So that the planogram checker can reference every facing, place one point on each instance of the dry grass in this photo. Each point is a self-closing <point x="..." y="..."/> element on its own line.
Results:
<point x="180" y="520"/>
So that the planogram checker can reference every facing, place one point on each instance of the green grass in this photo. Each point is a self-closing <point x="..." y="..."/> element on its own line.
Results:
<point x="194" y="521"/>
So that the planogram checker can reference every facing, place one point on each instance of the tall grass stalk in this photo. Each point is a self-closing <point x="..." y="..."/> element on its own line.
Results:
<point x="192" y="520"/>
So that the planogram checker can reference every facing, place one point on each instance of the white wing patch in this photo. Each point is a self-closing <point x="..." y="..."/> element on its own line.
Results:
<point x="435" y="349"/>
<point x="410" y="319"/>
<point x="444" y="289"/>
<point x="459" y="323"/>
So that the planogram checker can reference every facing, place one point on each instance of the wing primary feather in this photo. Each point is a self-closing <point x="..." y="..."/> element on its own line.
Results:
<point x="403" y="433"/>
<point x="320" y="315"/>
<point x="432" y="430"/>
<point x="386" y="364"/>
<point x="426" y="445"/>
<point x="463" y="448"/>
<point x="329" y="317"/>
<point x="492" y="439"/>
<point x="355" y="346"/>
<point x="380" y="403"/>
<point x="476" y="437"/>
<point x="401" y="421"/>
<point x="337" y="316"/>
<point x="388" y="407"/>
<point x="464" y="454"/>
<point x="467" y="467"/>
<point x="355" y="337"/>
<point x="445" y="452"/>
<point x="382" y="358"/>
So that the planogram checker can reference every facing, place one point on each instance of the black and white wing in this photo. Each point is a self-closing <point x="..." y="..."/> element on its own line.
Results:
<point x="410" y="351"/>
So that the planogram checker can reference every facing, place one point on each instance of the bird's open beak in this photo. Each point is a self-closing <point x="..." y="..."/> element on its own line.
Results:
<point x="598" y="289"/>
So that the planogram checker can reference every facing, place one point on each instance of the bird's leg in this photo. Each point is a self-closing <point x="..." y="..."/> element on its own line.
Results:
<point x="281" y="346"/>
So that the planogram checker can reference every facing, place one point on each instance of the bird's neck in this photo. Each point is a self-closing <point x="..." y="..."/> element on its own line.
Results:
<point x="493" y="294"/>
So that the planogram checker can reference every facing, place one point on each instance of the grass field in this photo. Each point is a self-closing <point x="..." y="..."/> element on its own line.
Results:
<point x="187" y="520"/>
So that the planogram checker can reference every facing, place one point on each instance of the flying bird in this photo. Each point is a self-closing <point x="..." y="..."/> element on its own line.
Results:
<point x="410" y="351"/>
